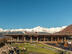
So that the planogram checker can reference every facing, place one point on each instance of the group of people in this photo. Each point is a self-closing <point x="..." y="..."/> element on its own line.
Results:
<point x="14" y="50"/>
<point x="8" y="49"/>
<point x="11" y="50"/>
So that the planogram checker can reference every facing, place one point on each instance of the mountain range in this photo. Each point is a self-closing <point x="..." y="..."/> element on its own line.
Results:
<point x="36" y="29"/>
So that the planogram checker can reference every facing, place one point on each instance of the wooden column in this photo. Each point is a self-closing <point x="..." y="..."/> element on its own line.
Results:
<point x="30" y="39"/>
<point x="65" y="42"/>
<point x="57" y="39"/>
<point x="65" y="39"/>
<point x="37" y="39"/>
<point x="51" y="38"/>
<point x="71" y="44"/>
<point x="24" y="39"/>
<point x="11" y="38"/>
<point x="62" y="39"/>
<point x="44" y="39"/>
<point x="18" y="38"/>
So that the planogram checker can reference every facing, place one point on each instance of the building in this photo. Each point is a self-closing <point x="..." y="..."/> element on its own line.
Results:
<point x="41" y="37"/>
<point x="3" y="40"/>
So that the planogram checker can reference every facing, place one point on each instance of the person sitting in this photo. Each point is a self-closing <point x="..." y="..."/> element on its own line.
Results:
<point x="17" y="51"/>
<point x="11" y="52"/>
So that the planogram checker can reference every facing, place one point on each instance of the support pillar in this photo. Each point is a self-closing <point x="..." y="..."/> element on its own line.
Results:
<point x="71" y="44"/>
<point x="65" y="42"/>
<point x="65" y="39"/>
<point x="30" y="39"/>
<point x="62" y="40"/>
<point x="55" y="38"/>
<point x="58" y="39"/>
<point x="18" y="38"/>
<point x="44" y="39"/>
<point x="24" y="39"/>
<point x="51" y="38"/>
<point x="11" y="39"/>
<point x="37" y="39"/>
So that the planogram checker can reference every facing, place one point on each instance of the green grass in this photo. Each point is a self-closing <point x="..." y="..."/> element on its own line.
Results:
<point x="36" y="48"/>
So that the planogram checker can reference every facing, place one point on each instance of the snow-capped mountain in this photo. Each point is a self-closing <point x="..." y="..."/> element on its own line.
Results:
<point x="38" y="29"/>
<point x="49" y="30"/>
<point x="1" y="29"/>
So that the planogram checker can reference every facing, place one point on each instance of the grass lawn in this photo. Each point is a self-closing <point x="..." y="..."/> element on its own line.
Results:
<point x="35" y="48"/>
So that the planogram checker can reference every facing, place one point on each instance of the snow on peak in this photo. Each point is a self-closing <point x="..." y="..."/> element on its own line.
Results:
<point x="49" y="30"/>
<point x="1" y="29"/>
<point x="37" y="29"/>
<point x="57" y="29"/>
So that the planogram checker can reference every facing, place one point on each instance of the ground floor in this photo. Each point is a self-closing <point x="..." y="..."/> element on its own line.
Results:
<point x="39" y="39"/>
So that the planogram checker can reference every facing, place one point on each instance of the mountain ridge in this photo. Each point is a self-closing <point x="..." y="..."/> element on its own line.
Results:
<point x="38" y="29"/>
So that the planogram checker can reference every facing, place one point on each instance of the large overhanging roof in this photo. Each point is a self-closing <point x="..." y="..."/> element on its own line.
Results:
<point x="37" y="33"/>
<point x="26" y="33"/>
<point x="2" y="38"/>
<point x="13" y="33"/>
<point x="67" y="31"/>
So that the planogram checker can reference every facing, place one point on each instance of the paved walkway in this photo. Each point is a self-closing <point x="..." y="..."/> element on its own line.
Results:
<point x="57" y="48"/>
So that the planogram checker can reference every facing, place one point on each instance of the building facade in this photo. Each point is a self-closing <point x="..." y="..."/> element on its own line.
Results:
<point x="63" y="36"/>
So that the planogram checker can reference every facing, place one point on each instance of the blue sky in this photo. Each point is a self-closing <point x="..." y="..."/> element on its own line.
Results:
<point x="32" y="13"/>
